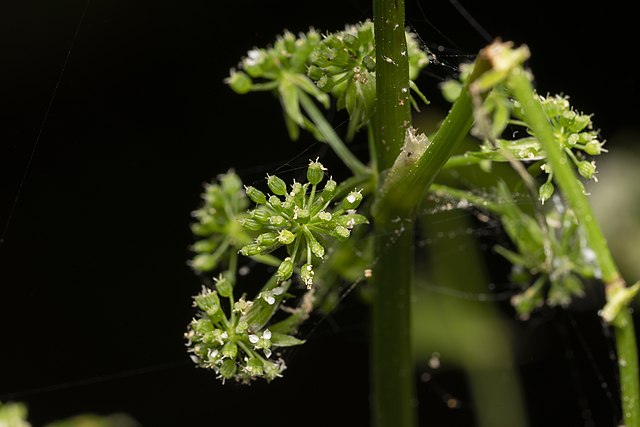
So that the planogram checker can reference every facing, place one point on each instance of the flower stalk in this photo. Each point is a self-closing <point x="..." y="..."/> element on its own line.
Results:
<point x="614" y="312"/>
<point x="391" y="352"/>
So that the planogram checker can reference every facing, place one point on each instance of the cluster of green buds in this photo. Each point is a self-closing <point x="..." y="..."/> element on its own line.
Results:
<point x="340" y="63"/>
<point x="572" y="130"/>
<point x="550" y="260"/>
<point x="282" y="68"/>
<point x="300" y="218"/>
<point x="217" y="226"/>
<point x="238" y="345"/>
<point x="236" y="338"/>
<point x="344" y="65"/>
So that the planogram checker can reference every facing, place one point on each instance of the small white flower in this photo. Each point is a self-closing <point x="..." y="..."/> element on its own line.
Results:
<point x="254" y="57"/>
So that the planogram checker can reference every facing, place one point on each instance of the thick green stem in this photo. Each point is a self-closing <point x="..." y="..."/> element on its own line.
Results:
<point x="393" y="380"/>
<point x="331" y="137"/>
<point x="392" y="356"/>
<point x="565" y="177"/>
<point x="393" y="110"/>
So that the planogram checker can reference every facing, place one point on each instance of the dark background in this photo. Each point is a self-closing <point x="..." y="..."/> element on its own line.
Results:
<point x="94" y="290"/>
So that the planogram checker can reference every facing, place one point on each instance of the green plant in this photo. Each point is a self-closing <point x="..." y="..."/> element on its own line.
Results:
<point x="300" y="230"/>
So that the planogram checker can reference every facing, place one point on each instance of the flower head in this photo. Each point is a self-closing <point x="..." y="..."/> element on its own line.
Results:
<point x="301" y="219"/>
<point x="217" y="226"/>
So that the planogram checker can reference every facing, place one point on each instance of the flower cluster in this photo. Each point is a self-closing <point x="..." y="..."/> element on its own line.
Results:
<point x="217" y="226"/>
<point x="572" y="130"/>
<point x="341" y="63"/>
<point x="549" y="259"/>
<point x="238" y="346"/>
<point x="236" y="337"/>
<point x="344" y="64"/>
<point x="300" y="219"/>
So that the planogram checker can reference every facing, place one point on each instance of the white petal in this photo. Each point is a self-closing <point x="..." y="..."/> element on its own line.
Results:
<point x="253" y="339"/>
<point x="266" y="334"/>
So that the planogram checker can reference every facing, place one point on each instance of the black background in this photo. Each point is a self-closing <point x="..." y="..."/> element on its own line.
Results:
<point x="95" y="292"/>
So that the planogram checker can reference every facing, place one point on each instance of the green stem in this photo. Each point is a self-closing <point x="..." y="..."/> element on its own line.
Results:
<point x="392" y="355"/>
<point x="520" y="84"/>
<point x="392" y="375"/>
<point x="334" y="141"/>
<point x="405" y="184"/>
<point x="393" y="110"/>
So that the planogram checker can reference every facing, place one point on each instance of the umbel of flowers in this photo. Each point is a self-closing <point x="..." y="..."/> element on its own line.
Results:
<point x="288" y="230"/>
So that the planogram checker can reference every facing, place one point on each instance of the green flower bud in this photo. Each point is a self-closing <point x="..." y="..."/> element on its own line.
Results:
<point x="329" y="190"/>
<point x="315" y="73"/>
<point x="289" y="41"/>
<point x="276" y="185"/>
<point x="207" y="300"/>
<point x="573" y="139"/>
<point x="230" y="350"/>
<point x="341" y="233"/>
<point x="239" y="82"/>
<point x="593" y="148"/>
<point x="546" y="191"/>
<point x="325" y="83"/>
<point x="579" y="122"/>
<point x="272" y="370"/>
<point x="254" y="366"/>
<point x="324" y="216"/>
<point x="256" y="195"/>
<point x="286" y="237"/>
<point x="261" y="216"/>
<point x="275" y="201"/>
<point x="204" y="245"/>
<point x="251" y="250"/>
<point x="587" y="169"/>
<point x="228" y="368"/>
<point x="204" y="262"/>
<point x="296" y="188"/>
<point x="250" y="224"/>
<point x="277" y="221"/>
<point x="267" y="239"/>
<point x="231" y="184"/>
<point x="316" y="248"/>
<point x="301" y="215"/>
<point x="285" y="270"/>
<point x="224" y="286"/>
<point x="315" y="172"/>
<point x="352" y="200"/>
